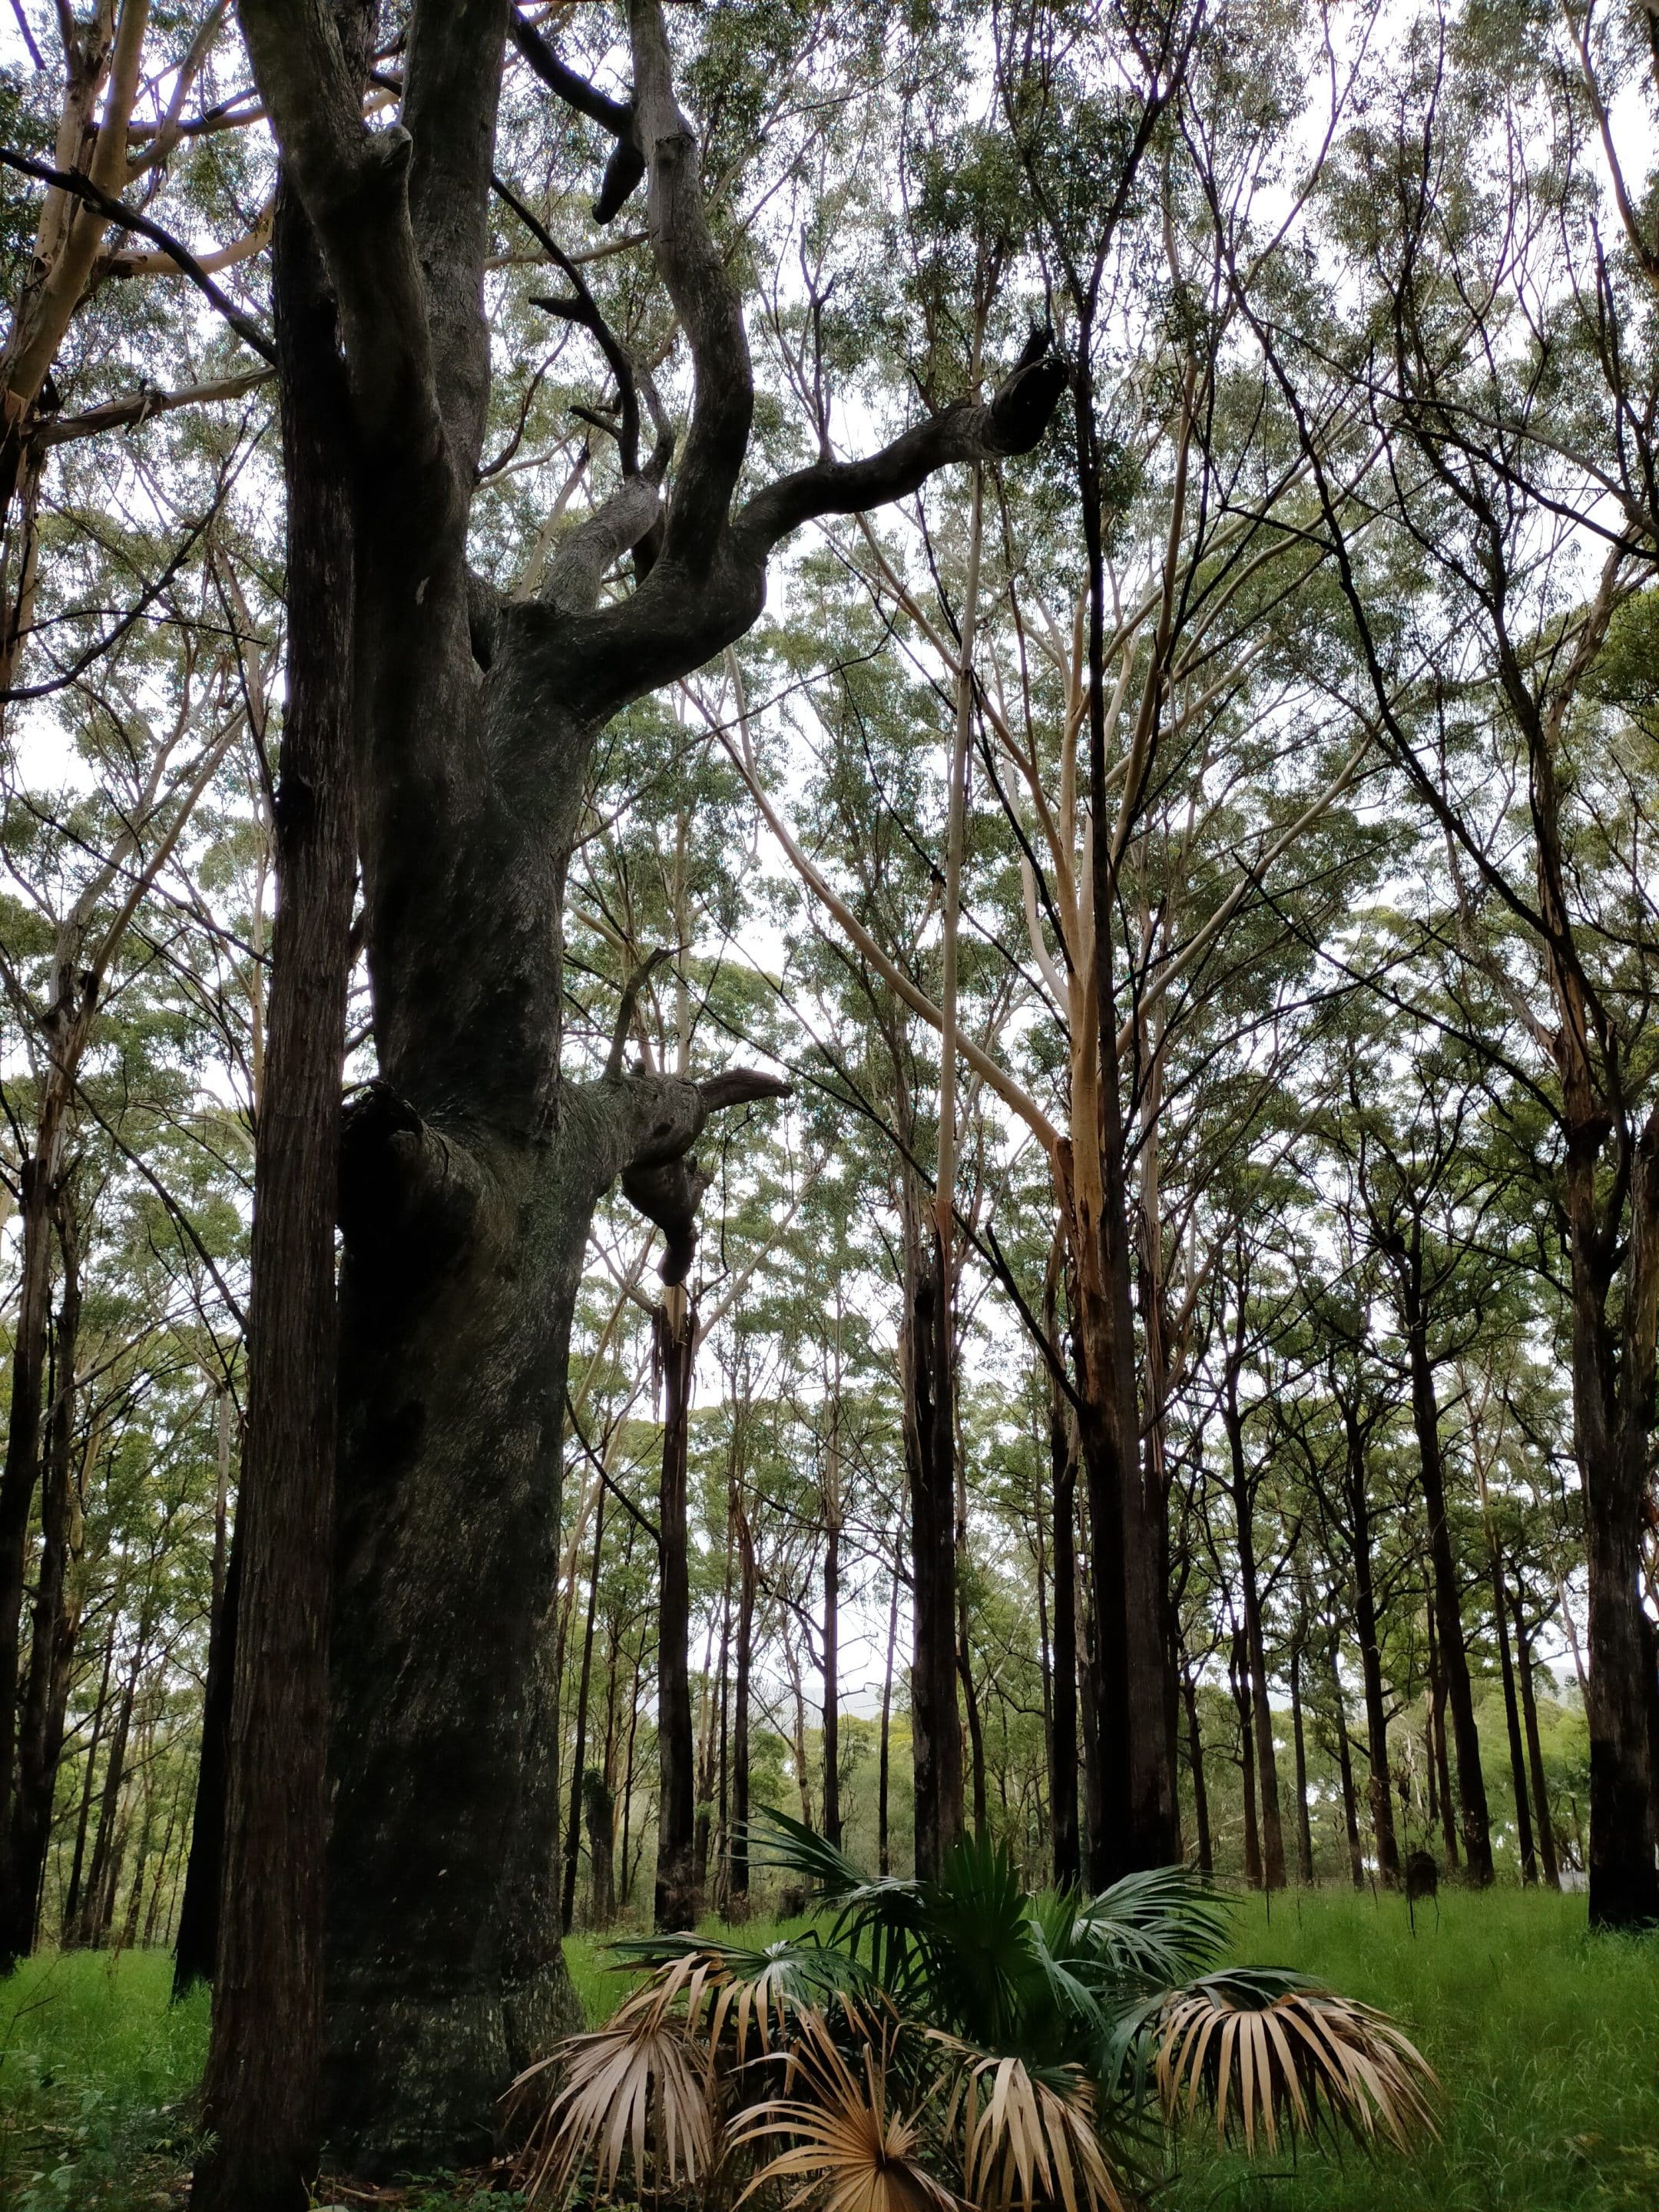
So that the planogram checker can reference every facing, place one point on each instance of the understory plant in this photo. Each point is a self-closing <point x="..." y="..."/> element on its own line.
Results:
<point x="926" y="2044"/>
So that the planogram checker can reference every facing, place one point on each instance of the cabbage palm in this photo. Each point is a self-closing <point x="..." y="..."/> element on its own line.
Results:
<point x="956" y="2040"/>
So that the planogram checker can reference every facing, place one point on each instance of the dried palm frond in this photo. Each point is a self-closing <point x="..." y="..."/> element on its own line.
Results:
<point x="637" y="2086"/>
<point x="1265" y="2050"/>
<point x="849" y="2152"/>
<point x="1028" y="2142"/>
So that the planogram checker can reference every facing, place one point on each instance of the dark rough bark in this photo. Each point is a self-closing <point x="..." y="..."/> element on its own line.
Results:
<point x="260" y="2089"/>
<point x="599" y="1809"/>
<point x="928" y="1354"/>
<point x="677" y="1904"/>
<point x="1536" y="1750"/>
<point x="19" y="1477"/>
<point x="196" y="1947"/>
<point x="55" y="1621"/>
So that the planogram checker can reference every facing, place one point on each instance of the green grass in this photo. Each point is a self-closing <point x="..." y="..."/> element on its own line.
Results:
<point x="93" y="2062"/>
<point x="1545" y="2038"/>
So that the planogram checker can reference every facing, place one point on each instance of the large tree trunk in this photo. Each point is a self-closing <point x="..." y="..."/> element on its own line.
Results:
<point x="196" y="1947"/>
<point x="1448" y="1590"/>
<point x="677" y="1901"/>
<point x="260" y="2089"/>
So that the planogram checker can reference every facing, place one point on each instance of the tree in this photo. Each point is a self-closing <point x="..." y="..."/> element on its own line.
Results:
<point x="471" y="1171"/>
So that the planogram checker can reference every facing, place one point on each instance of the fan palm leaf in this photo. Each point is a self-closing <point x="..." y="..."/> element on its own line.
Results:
<point x="637" y="2089"/>
<point x="1030" y="2142"/>
<point x="841" y="2143"/>
<point x="1265" y="2050"/>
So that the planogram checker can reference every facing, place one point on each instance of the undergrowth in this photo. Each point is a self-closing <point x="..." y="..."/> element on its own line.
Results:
<point x="1545" y="2038"/>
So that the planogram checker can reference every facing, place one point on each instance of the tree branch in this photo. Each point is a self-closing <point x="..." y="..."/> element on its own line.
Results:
<point x="1012" y="422"/>
<point x="125" y="218"/>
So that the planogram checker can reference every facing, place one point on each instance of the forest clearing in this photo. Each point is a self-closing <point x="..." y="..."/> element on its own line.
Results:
<point x="829" y="1104"/>
<point x="1547" y="2041"/>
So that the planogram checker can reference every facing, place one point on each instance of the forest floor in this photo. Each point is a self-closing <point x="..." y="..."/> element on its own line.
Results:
<point x="1545" y="2038"/>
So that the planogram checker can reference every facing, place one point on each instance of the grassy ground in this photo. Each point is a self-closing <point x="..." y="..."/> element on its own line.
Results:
<point x="1545" y="2038"/>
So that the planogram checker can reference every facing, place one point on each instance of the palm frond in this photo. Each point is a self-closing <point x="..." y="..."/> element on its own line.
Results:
<point x="636" y="2092"/>
<point x="841" y="2143"/>
<point x="1031" y="2142"/>
<point x="1158" y="1927"/>
<point x="975" y="1930"/>
<point x="1265" y="2050"/>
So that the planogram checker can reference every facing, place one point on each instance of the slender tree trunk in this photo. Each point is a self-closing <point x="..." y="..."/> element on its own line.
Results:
<point x="739" y="1906"/>
<point x="883" y="1847"/>
<point x="1239" y="1670"/>
<point x="260" y="2092"/>
<point x="1195" y="1755"/>
<point x="1371" y="1664"/>
<point x="1345" y="1770"/>
<point x="1440" y="1788"/>
<point x="45" y="1695"/>
<point x="1448" y="1594"/>
<point x="1305" y="1866"/>
<point x="1512" y="1718"/>
<point x="105" y="1857"/>
<point x="1063" y="1731"/>
<point x="1536" y="1750"/>
<point x="677" y="1902"/>
<point x="69" y="1921"/>
<point x="579" y="1756"/>
<point x="831" y="1668"/>
<point x="1273" y="1832"/>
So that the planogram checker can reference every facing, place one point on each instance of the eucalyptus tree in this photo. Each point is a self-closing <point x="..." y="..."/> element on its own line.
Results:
<point x="1506" y="383"/>
<point x="471" y="1169"/>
